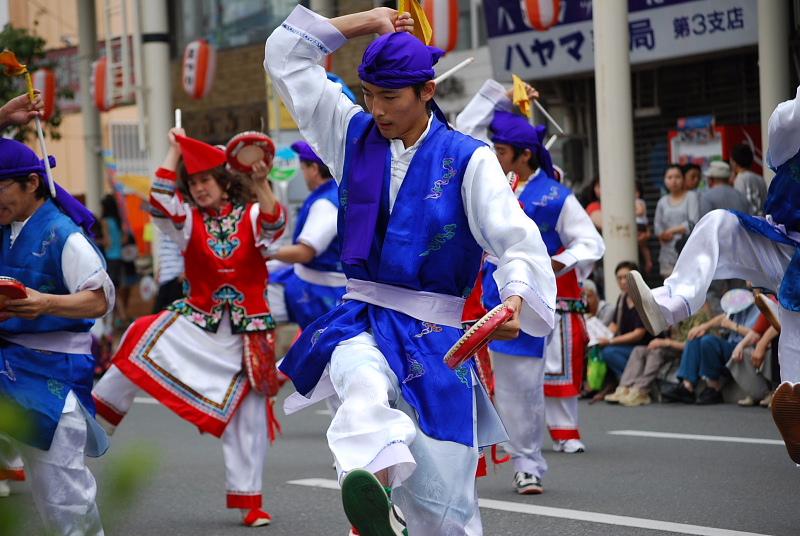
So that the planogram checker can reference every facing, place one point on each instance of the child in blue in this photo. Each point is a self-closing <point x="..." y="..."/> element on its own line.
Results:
<point x="729" y="244"/>
<point x="314" y="284"/>
<point x="419" y="203"/>
<point x="45" y="345"/>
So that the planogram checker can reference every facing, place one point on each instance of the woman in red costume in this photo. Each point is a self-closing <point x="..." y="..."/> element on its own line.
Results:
<point x="191" y="356"/>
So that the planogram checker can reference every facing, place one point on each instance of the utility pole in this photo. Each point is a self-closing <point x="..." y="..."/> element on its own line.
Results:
<point x="615" y="137"/>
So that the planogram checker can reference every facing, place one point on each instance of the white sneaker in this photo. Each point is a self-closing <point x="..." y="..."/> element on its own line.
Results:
<point x="646" y="305"/>
<point x="5" y="489"/>
<point x="527" y="484"/>
<point x="569" y="446"/>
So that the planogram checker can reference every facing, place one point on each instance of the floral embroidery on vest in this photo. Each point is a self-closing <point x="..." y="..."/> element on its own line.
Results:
<point x="221" y="231"/>
<point x="8" y="372"/>
<point x="448" y="232"/>
<point x="438" y="186"/>
<point x="45" y="244"/>
<point x="317" y="334"/>
<point x="56" y="388"/>
<point x="415" y="369"/>
<point x="427" y="328"/>
<point x="228" y="297"/>
<point x="463" y="374"/>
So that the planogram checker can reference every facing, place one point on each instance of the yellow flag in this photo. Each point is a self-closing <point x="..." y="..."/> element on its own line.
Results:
<point x="422" y="28"/>
<point x="520" y="96"/>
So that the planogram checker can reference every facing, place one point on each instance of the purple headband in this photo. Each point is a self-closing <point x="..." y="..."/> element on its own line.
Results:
<point x="19" y="160"/>
<point x="515" y="130"/>
<point x="305" y="152"/>
<point x="398" y="60"/>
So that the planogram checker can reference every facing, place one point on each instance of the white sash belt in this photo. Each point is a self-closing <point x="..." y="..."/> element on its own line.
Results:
<point x="55" y="341"/>
<point x="318" y="277"/>
<point x="426" y="306"/>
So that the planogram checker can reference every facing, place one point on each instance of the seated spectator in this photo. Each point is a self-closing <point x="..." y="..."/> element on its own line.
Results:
<point x="750" y="365"/>
<point x="595" y="306"/>
<point x="646" y="361"/>
<point x="748" y="183"/>
<point x="705" y="355"/>
<point x="720" y="194"/>
<point x="627" y="327"/>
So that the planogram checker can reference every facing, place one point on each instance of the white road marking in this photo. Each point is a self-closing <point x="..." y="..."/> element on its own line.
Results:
<point x="145" y="400"/>
<point x="566" y="513"/>
<point x="697" y="437"/>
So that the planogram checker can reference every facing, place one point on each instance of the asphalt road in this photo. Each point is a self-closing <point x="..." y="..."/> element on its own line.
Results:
<point x="161" y="477"/>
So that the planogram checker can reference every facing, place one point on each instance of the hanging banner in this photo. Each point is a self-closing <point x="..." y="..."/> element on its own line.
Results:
<point x="659" y="30"/>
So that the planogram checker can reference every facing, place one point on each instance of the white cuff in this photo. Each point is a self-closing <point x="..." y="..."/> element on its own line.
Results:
<point x="314" y="29"/>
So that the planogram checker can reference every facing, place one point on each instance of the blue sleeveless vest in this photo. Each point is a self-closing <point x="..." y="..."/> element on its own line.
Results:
<point x="425" y="244"/>
<point x="783" y="204"/>
<point x="328" y="260"/>
<point x="542" y="200"/>
<point x="35" y="260"/>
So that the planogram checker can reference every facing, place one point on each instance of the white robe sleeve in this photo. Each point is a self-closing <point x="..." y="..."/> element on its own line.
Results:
<point x="583" y="245"/>
<point x="320" y="227"/>
<point x="476" y="117"/>
<point x="266" y="232"/>
<point x="83" y="269"/>
<point x="321" y="110"/>
<point x="173" y="218"/>
<point x="501" y="227"/>
<point x="784" y="132"/>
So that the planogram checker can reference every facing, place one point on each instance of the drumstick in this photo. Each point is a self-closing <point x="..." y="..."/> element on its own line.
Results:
<point x="447" y="74"/>
<point x="177" y="118"/>
<point x="548" y="116"/>
<point x="550" y="142"/>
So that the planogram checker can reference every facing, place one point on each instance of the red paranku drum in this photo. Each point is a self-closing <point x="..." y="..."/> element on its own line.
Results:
<point x="247" y="148"/>
<point x="477" y="337"/>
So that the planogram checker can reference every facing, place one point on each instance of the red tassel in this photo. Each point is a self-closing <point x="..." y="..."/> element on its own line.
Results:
<point x="496" y="460"/>
<point x="482" y="467"/>
<point x="274" y="427"/>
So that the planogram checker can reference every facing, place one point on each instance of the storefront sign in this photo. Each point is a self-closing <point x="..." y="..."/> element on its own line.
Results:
<point x="659" y="30"/>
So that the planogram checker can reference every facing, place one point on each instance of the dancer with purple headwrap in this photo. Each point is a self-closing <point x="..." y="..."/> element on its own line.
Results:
<point x="46" y="365"/>
<point x="419" y="203"/>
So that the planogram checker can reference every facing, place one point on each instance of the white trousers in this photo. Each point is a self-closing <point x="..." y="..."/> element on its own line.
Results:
<point x="244" y="442"/>
<point x="561" y="414"/>
<point x="276" y="299"/>
<point x="374" y="428"/>
<point x="720" y="248"/>
<point x="63" y="488"/>
<point x="520" y="401"/>
<point x="10" y="460"/>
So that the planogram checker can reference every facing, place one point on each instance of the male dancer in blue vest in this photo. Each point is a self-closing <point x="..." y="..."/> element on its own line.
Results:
<point x="728" y="244"/>
<point x="314" y="284"/>
<point x="46" y="366"/>
<point x="537" y="379"/>
<point x="419" y="203"/>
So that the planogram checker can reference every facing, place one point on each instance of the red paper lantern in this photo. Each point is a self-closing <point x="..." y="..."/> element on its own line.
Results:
<point x="45" y="81"/>
<point x="541" y="14"/>
<point x="199" y="65"/>
<point x="100" y="93"/>
<point x="443" y="17"/>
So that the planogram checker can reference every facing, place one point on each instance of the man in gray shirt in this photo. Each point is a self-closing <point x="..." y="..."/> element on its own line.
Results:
<point x="720" y="194"/>
<point x="750" y="184"/>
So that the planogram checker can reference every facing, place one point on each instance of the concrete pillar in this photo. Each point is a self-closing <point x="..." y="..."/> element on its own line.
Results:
<point x="774" y="17"/>
<point x="92" y="143"/>
<point x="615" y="137"/>
<point x="157" y="77"/>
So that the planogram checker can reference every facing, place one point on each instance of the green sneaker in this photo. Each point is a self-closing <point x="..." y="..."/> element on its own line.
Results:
<point x="368" y="506"/>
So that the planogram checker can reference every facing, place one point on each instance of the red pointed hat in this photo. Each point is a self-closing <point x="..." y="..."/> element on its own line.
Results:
<point x="199" y="156"/>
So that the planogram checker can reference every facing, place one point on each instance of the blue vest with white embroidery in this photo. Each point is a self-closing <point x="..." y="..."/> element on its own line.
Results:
<point x="542" y="200"/>
<point x="783" y="205"/>
<point x="328" y="260"/>
<point x="35" y="260"/>
<point x="425" y="244"/>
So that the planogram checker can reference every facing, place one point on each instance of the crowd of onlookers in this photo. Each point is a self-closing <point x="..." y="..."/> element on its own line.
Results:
<point x="728" y="342"/>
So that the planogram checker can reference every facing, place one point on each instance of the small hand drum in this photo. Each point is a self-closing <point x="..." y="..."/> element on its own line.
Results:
<point x="477" y="336"/>
<point x="247" y="148"/>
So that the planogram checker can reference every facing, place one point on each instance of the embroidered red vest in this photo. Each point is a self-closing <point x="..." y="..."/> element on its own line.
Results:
<point x="225" y="270"/>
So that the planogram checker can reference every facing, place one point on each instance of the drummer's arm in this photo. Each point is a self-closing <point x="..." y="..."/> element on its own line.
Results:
<point x="168" y="210"/>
